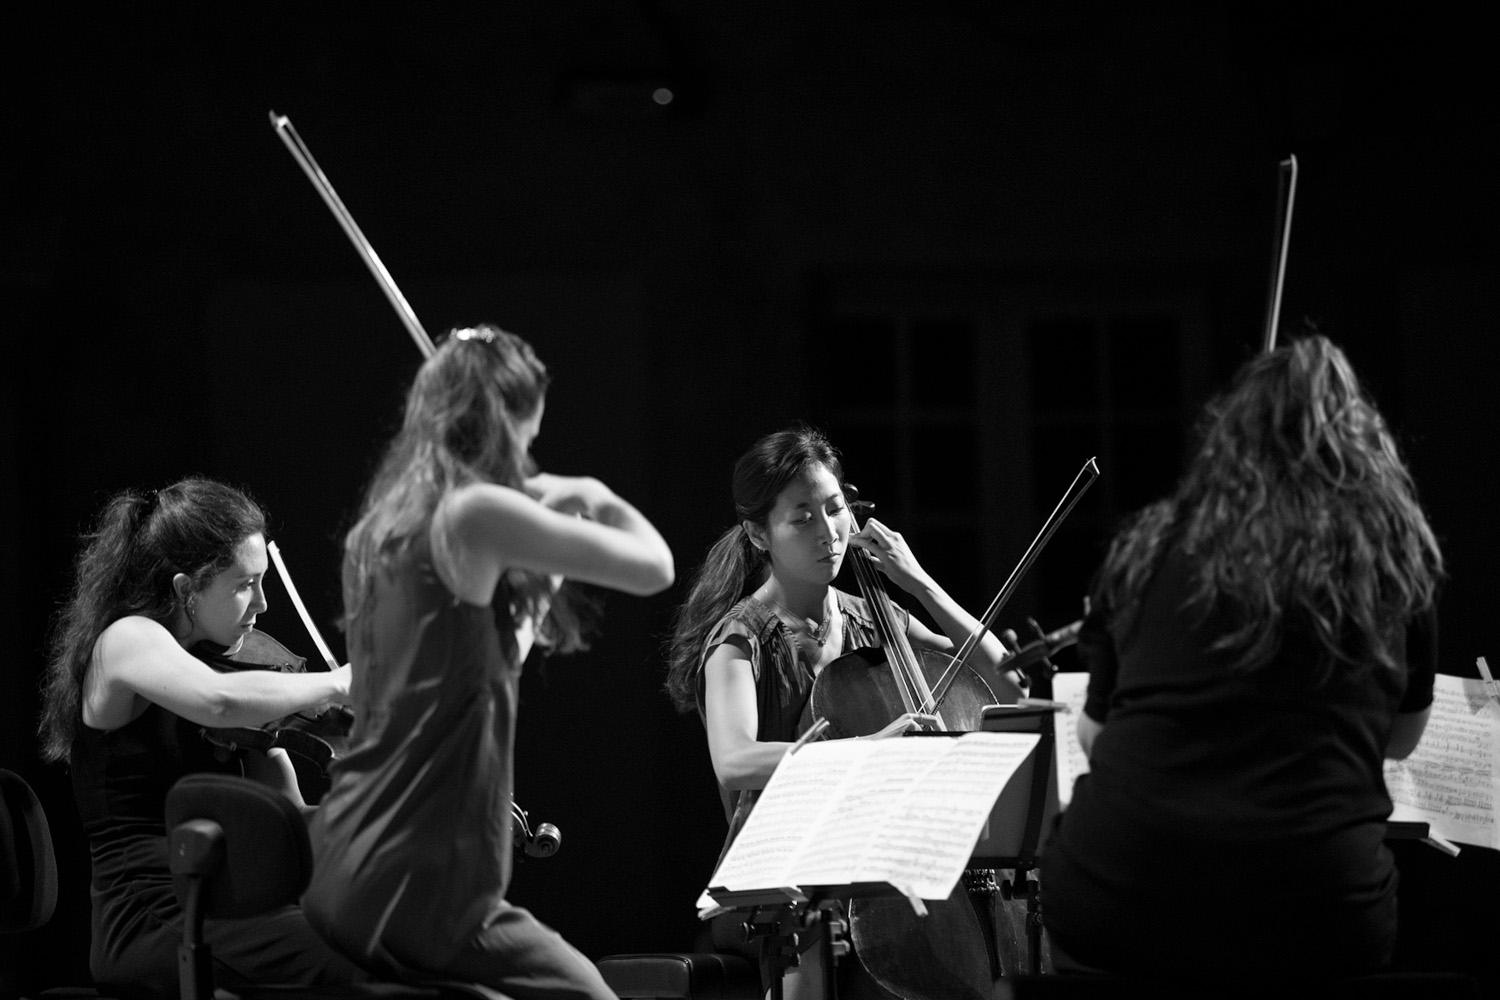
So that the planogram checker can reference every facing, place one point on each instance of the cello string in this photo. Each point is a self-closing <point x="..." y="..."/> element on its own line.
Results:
<point x="914" y="694"/>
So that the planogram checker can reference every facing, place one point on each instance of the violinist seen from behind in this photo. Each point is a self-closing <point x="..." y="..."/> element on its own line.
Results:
<point x="125" y="706"/>
<point x="450" y="581"/>
<point x="1258" y="643"/>
<point x="762" y="620"/>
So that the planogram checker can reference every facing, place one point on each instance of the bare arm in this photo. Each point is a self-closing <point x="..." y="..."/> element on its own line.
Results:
<point x="137" y="658"/>
<point x="1406" y="733"/>
<point x="275" y="768"/>
<point x="574" y="528"/>
<point x="732" y="718"/>
<point x="893" y="557"/>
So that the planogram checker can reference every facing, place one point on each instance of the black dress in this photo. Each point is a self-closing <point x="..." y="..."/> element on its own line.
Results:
<point x="120" y="782"/>
<point x="1229" y="820"/>
<point x="413" y="840"/>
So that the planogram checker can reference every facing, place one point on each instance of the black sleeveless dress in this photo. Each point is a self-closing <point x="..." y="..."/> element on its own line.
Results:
<point x="413" y="838"/>
<point x="120" y="782"/>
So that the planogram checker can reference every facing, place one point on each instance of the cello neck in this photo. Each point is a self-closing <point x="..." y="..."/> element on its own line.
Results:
<point x="916" y="696"/>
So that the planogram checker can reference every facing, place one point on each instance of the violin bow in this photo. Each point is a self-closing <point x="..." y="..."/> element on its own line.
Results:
<point x="291" y="589"/>
<point x="1075" y="492"/>
<point x="293" y="142"/>
<point x="1286" y="196"/>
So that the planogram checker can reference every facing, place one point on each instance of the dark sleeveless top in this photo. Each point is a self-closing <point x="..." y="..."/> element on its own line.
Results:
<point x="413" y="837"/>
<point x="783" y="682"/>
<point x="120" y="782"/>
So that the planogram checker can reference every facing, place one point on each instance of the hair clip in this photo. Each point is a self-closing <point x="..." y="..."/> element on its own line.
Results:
<point x="475" y="333"/>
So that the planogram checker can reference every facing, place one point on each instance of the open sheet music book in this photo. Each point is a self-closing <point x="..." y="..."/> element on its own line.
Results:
<point x="905" y="811"/>
<point x="1451" y="782"/>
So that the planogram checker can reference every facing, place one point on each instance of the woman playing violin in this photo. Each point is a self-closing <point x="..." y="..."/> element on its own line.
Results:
<point x="448" y="585"/>
<point x="1258" y="643"/>
<point x="762" y="619"/>
<point x="126" y="703"/>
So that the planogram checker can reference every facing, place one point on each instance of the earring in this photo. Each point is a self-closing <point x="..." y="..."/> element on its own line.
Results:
<point x="190" y="606"/>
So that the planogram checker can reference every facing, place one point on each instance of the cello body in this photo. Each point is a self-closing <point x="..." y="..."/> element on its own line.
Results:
<point x="965" y="943"/>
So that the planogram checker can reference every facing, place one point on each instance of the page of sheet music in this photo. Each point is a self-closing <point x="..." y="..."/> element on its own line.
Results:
<point x="1070" y="688"/>
<point x="904" y="810"/>
<point x="1450" y="780"/>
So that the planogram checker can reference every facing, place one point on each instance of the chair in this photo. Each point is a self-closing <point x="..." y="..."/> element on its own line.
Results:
<point x="240" y="849"/>
<point x="681" y="975"/>
<point x="28" y="875"/>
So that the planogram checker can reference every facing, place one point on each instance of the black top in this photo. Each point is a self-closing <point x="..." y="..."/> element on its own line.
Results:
<point x="120" y="783"/>
<point x="1219" y="798"/>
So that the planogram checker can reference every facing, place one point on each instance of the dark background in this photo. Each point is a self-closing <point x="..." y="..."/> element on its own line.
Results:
<point x="979" y="243"/>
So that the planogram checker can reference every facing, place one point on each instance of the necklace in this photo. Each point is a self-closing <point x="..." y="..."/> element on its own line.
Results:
<point x="804" y="626"/>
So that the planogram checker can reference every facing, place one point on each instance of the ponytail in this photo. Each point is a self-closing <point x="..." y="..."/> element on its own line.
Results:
<point x="732" y="569"/>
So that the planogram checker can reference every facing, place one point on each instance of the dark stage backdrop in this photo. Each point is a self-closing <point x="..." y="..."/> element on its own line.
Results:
<point x="979" y="243"/>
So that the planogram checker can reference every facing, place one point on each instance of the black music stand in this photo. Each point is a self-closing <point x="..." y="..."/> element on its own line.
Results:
<point x="1022" y="815"/>
<point x="777" y="915"/>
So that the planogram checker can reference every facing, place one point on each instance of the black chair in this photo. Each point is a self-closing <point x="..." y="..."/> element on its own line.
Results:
<point x="239" y="849"/>
<point x="681" y="975"/>
<point x="28" y="877"/>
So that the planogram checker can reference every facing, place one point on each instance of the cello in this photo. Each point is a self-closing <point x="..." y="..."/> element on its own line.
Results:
<point x="949" y="951"/>
<point x="908" y="956"/>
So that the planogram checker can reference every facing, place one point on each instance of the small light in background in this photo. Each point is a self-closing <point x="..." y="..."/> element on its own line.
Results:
<point x="663" y="96"/>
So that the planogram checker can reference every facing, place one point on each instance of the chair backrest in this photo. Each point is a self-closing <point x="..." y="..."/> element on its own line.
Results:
<point x="268" y="858"/>
<point x="28" y="866"/>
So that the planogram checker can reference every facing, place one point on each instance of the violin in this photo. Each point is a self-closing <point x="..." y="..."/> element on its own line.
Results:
<point x="304" y="736"/>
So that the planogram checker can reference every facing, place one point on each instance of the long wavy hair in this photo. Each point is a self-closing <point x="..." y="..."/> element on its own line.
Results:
<point x="125" y="566"/>
<point x="733" y="566"/>
<point x="459" y="427"/>
<point x="1299" y="514"/>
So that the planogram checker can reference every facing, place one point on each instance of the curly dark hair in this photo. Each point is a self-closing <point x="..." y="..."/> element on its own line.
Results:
<point x="125" y="566"/>
<point x="1298" y="512"/>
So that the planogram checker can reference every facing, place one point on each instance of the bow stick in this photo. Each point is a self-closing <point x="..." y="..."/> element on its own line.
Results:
<point x="304" y="157"/>
<point x="294" y="144"/>
<point x="291" y="589"/>
<point x="1286" y="195"/>
<point x="1070" y="499"/>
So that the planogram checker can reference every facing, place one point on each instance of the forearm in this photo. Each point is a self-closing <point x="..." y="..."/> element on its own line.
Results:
<point x="749" y="766"/>
<point x="255" y="697"/>
<point x="657" y="569"/>
<point x="957" y="624"/>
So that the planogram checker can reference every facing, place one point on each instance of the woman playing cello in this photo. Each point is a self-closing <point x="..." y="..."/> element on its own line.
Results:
<point x="762" y="620"/>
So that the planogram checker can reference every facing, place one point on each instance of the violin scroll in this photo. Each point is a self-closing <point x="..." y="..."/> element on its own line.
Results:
<point x="541" y="843"/>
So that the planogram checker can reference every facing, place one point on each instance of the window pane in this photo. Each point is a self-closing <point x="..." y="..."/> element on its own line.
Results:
<point x="942" y="361"/>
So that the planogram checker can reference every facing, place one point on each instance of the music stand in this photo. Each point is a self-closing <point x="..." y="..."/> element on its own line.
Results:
<point x="1022" y="815"/>
<point x="776" y="915"/>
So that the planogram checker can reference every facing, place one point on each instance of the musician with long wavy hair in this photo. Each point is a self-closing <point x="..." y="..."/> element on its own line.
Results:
<point x="1259" y="642"/>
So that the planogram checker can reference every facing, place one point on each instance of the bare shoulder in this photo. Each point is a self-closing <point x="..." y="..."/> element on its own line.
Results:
<point x="131" y="634"/>
<point x="482" y="506"/>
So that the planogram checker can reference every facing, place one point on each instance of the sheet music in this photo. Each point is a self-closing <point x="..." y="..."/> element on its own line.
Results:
<point x="1450" y="780"/>
<point x="1070" y="688"/>
<point x="904" y="810"/>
